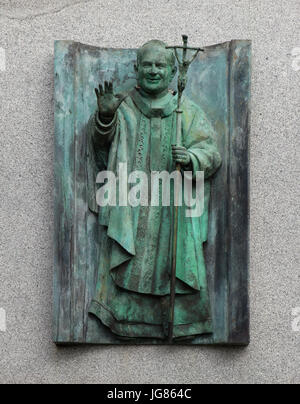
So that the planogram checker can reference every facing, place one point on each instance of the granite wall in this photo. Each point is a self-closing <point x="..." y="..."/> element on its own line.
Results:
<point x="27" y="32"/>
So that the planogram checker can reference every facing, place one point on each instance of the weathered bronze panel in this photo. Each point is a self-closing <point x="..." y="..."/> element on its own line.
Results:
<point x="216" y="101"/>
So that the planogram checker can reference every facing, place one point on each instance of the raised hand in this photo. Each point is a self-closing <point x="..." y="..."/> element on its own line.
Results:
<point x="108" y="103"/>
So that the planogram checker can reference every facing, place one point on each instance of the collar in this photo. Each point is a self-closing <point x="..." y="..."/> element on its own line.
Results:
<point x="163" y="108"/>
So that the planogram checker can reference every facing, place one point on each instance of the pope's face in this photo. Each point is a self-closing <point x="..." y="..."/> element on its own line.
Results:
<point x="154" y="70"/>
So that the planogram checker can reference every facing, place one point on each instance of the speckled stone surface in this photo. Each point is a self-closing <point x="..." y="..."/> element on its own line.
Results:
<point x="27" y="31"/>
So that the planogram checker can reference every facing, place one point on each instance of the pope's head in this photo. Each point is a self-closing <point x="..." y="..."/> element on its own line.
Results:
<point x="155" y="67"/>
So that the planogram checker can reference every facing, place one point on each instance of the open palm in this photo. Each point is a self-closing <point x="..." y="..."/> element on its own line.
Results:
<point x="108" y="103"/>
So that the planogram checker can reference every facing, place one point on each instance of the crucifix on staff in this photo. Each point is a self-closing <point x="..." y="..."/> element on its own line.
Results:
<point x="184" y="65"/>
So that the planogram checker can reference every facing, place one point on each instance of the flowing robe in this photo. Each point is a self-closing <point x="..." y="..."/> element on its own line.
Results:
<point x="133" y="283"/>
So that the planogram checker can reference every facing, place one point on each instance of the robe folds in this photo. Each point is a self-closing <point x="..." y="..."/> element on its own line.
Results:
<point x="133" y="282"/>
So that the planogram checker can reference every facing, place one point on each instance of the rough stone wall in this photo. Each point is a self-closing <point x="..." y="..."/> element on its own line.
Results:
<point x="27" y="31"/>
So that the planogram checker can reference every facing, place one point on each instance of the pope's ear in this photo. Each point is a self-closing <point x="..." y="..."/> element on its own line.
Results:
<point x="174" y="71"/>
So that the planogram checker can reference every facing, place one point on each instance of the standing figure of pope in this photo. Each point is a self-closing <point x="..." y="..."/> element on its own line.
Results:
<point x="132" y="296"/>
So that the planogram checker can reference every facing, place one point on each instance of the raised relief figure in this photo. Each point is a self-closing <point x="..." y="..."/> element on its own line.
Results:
<point x="138" y="129"/>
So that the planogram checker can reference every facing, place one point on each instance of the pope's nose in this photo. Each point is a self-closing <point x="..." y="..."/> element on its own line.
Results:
<point x="153" y="70"/>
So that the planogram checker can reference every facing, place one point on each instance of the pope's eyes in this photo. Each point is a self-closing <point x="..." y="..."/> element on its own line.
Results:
<point x="158" y="65"/>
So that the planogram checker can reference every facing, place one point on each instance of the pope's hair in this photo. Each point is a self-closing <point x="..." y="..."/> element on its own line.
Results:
<point x="158" y="44"/>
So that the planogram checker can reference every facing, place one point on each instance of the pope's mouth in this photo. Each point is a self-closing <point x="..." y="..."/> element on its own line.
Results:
<point x="153" y="80"/>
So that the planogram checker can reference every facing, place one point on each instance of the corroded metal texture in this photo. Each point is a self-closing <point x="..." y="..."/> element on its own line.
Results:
<point x="219" y="82"/>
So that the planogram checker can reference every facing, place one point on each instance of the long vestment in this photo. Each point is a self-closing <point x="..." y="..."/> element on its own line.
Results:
<point x="133" y="288"/>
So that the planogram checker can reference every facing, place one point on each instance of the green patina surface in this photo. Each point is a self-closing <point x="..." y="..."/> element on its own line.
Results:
<point x="96" y="252"/>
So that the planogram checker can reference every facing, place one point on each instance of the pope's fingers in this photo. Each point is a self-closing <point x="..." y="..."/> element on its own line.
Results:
<point x="175" y="147"/>
<point x="180" y="159"/>
<point x="183" y="152"/>
<point x="184" y="155"/>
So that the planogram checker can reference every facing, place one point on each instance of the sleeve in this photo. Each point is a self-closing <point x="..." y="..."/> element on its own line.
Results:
<point x="99" y="137"/>
<point x="104" y="132"/>
<point x="200" y="141"/>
